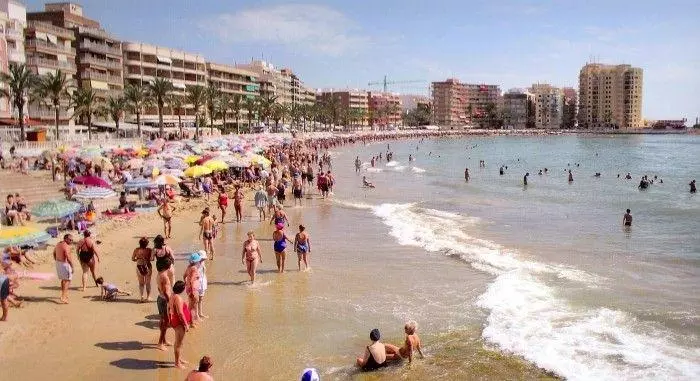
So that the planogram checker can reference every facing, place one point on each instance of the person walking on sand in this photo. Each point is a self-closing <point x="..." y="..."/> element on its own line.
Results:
<point x="280" y="246"/>
<point x="358" y="164"/>
<point x="412" y="342"/>
<point x="302" y="246"/>
<point x="525" y="178"/>
<point x="238" y="197"/>
<point x="143" y="255"/>
<point x="165" y="211"/>
<point x="627" y="218"/>
<point x="64" y="264"/>
<point x="202" y="372"/>
<point x="164" y="293"/>
<point x="223" y="202"/>
<point x="206" y="233"/>
<point x="164" y="257"/>
<point x="192" y="283"/>
<point x="261" y="203"/>
<point x="180" y="320"/>
<point x="251" y="255"/>
<point x="466" y="174"/>
<point x="271" y="196"/>
<point x="88" y="257"/>
<point x="297" y="190"/>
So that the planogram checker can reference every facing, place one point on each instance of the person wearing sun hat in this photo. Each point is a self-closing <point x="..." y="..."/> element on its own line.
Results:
<point x="193" y="283"/>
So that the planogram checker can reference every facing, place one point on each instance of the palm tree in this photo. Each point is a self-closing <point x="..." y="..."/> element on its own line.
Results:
<point x="136" y="97"/>
<point x="84" y="102"/>
<point x="266" y="106"/>
<point x="176" y="105"/>
<point x="115" y="109"/>
<point x="251" y="106"/>
<point x="224" y="106"/>
<point x="52" y="89"/>
<point x="159" y="90"/>
<point x="20" y="82"/>
<point x="196" y="97"/>
<point x="212" y="98"/>
<point x="236" y="106"/>
<point x="277" y="114"/>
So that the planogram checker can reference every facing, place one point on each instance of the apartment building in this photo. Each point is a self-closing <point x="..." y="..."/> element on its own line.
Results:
<point x="385" y="109"/>
<point x="449" y="103"/>
<point x="307" y="96"/>
<point x="98" y="54"/>
<point x="610" y="96"/>
<point x="235" y="82"/>
<point x="570" y="108"/>
<point x="273" y="82"/>
<point x="548" y="105"/>
<point x="348" y="100"/>
<point x="483" y="104"/>
<point x="5" y="113"/>
<point x="516" y="110"/>
<point x="143" y="63"/>
<point x="13" y="19"/>
<point x="412" y="101"/>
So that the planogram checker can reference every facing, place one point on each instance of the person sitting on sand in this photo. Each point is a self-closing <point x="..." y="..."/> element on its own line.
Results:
<point x="109" y="291"/>
<point x="412" y="342"/>
<point x="202" y="373"/>
<point x="377" y="354"/>
<point x="366" y="183"/>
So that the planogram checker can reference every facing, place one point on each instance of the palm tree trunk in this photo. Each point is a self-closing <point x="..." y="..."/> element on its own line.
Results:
<point x="56" y="120"/>
<point x="179" y="123"/>
<point x="211" y="123"/>
<point x="160" y="119"/>
<point x="138" y="123"/>
<point x="223" y="127"/>
<point x="238" y="128"/>
<point x="116" y="125"/>
<point x="89" y="120"/>
<point x="20" y="114"/>
<point x="196" y="127"/>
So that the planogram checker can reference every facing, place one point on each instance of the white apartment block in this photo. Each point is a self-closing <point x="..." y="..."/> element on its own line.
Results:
<point x="548" y="105"/>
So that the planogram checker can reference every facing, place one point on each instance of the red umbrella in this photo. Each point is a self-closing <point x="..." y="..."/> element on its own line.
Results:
<point x="92" y="181"/>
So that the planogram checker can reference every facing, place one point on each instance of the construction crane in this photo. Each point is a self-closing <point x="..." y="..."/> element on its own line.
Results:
<point x="385" y="83"/>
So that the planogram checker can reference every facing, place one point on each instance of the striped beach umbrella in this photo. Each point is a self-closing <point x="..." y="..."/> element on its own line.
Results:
<point x="138" y="183"/>
<point x="94" y="193"/>
<point x="22" y="235"/>
<point x="56" y="208"/>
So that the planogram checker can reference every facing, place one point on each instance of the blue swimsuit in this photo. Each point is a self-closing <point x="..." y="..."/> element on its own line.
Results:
<point x="280" y="245"/>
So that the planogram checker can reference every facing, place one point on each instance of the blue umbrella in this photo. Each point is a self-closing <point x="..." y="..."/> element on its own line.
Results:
<point x="56" y="208"/>
<point x="138" y="183"/>
<point x="22" y="235"/>
<point x="93" y="193"/>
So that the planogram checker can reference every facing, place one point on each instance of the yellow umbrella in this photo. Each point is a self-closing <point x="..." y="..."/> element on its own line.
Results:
<point x="197" y="171"/>
<point x="260" y="160"/>
<point x="192" y="159"/>
<point x="216" y="165"/>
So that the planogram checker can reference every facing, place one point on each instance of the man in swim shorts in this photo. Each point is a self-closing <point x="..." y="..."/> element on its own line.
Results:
<point x="166" y="213"/>
<point x="206" y="233"/>
<point x="627" y="219"/>
<point x="64" y="264"/>
<point x="164" y="292"/>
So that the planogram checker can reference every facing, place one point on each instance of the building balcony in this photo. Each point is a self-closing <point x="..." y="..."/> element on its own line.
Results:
<point x="51" y="64"/>
<point x="85" y="59"/>
<point x="100" y="48"/>
<point x="45" y="46"/>
<point x="14" y="34"/>
<point x="14" y="55"/>
<point x="94" y="32"/>
<point x="40" y="26"/>
<point x="101" y="77"/>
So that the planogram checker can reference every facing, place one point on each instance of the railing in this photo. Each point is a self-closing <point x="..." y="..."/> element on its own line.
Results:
<point x="62" y="32"/>
<point x="102" y="77"/>
<point x="95" y="32"/>
<point x="36" y="61"/>
<point x="14" y="33"/>
<point x="102" y="140"/>
<point x="46" y="45"/>
<point x="102" y="48"/>
<point x="100" y="62"/>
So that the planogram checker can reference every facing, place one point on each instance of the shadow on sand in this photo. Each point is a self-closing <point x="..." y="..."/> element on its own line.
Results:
<point x="137" y="364"/>
<point x="124" y="346"/>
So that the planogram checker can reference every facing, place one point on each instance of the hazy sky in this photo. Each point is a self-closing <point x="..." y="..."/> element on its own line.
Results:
<point x="347" y="43"/>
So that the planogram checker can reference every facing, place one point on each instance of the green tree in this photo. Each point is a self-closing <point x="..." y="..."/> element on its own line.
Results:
<point x="20" y="82"/>
<point x="266" y="106"/>
<point x="177" y="103"/>
<point x="115" y="108"/>
<point x="251" y="106"/>
<point x="85" y="105"/>
<point x="52" y="89"/>
<point x="212" y="95"/>
<point x="159" y="90"/>
<point x="236" y="106"/>
<point x="196" y="96"/>
<point x="137" y="99"/>
<point x="224" y="106"/>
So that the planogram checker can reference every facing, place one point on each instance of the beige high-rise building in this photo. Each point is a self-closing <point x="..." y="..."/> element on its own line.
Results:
<point x="352" y="101"/>
<point x="449" y="103"/>
<point x="233" y="81"/>
<point x="14" y="19"/>
<point x="385" y="109"/>
<point x="144" y="62"/>
<point x="610" y="96"/>
<point x="273" y="82"/>
<point x="548" y="102"/>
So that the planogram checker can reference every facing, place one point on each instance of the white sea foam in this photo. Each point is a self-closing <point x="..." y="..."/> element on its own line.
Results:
<point x="398" y="168"/>
<point x="417" y="170"/>
<point x="374" y="170"/>
<point x="528" y="317"/>
<point x="392" y="163"/>
<point x="352" y="205"/>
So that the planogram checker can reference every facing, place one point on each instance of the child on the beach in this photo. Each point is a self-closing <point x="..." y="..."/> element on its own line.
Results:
<point x="109" y="291"/>
<point x="412" y="342"/>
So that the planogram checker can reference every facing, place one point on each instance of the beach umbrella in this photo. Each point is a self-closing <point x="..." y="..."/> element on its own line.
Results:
<point x="216" y="165"/>
<point x="173" y="171"/>
<point x="56" y="208"/>
<point x="138" y="183"/>
<point x="191" y="159"/>
<point x="94" y="193"/>
<point x="237" y="161"/>
<point x="260" y="160"/>
<point x="92" y="181"/>
<point x="197" y="171"/>
<point x="167" y="180"/>
<point x="103" y="162"/>
<point x="176" y="163"/>
<point x="135" y="163"/>
<point x="22" y="235"/>
<point x="154" y="163"/>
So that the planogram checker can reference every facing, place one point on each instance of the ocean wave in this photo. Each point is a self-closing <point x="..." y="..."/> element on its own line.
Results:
<point x="417" y="170"/>
<point x="374" y="170"/>
<point x="398" y="168"/>
<point x="527" y="317"/>
<point x="392" y="163"/>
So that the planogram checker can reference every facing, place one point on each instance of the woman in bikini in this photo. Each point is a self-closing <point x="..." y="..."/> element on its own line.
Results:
<point x="302" y="246"/>
<point x="223" y="202"/>
<point x="238" y="203"/>
<point x="251" y="255"/>
<point x="180" y="320"/>
<point x="143" y="255"/>
<point x="280" y="246"/>
<point x="87" y="254"/>
<point x="164" y="257"/>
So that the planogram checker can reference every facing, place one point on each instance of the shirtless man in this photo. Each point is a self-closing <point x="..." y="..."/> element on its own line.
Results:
<point x="165" y="211"/>
<point x="164" y="293"/>
<point x="627" y="219"/>
<point x="251" y="255"/>
<point x="206" y="233"/>
<point x="412" y="342"/>
<point x="466" y="174"/>
<point x="297" y="190"/>
<point x="238" y="203"/>
<point x="202" y="373"/>
<point x="64" y="265"/>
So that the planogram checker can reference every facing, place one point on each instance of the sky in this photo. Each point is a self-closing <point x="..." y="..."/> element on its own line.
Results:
<point x="348" y="43"/>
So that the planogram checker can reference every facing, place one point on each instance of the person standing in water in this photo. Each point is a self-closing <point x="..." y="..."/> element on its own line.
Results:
<point x="302" y="246"/>
<point x="261" y="203"/>
<point x="627" y="218"/>
<point x="280" y="246"/>
<point x="238" y="197"/>
<point x="251" y="255"/>
<point x="358" y="164"/>
<point x="692" y="187"/>
<point x="466" y="174"/>
<point x="206" y="233"/>
<point x="571" y="177"/>
<point x="525" y="178"/>
<point x="223" y="203"/>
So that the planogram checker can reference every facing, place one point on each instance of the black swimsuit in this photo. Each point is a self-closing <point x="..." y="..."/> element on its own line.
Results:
<point x="85" y="254"/>
<point x="371" y="363"/>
